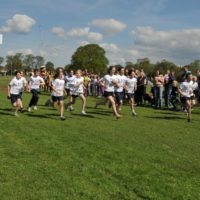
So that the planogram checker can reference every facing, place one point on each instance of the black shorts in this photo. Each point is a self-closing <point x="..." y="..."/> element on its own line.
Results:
<point x="55" y="98"/>
<point x="14" y="97"/>
<point x="130" y="96"/>
<point x="119" y="97"/>
<point x="68" y="91"/>
<point x="75" y="95"/>
<point x="185" y="99"/>
<point x="108" y="94"/>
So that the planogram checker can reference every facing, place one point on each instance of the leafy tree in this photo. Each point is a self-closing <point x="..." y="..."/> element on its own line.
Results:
<point x="28" y="62"/>
<point x="38" y="61"/>
<point x="194" y="66"/>
<point x="165" y="65"/>
<point x="91" y="57"/>
<point x="49" y="66"/>
<point x="145" y="65"/>
<point x="14" y="62"/>
<point x="1" y="60"/>
<point x="68" y="67"/>
<point x="130" y="65"/>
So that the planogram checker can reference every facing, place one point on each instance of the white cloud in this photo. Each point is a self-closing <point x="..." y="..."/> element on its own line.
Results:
<point x="18" y="24"/>
<point x="83" y="43"/>
<point x="110" y="26"/>
<point x="110" y="48"/>
<point x="59" y="31"/>
<point x="94" y="37"/>
<point x="113" y="53"/>
<point x="180" y="46"/>
<point x="78" y="33"/>
<point x="23" y="51"/>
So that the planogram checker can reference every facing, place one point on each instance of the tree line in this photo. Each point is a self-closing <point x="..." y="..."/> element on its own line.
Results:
<point x="91" y="57"/>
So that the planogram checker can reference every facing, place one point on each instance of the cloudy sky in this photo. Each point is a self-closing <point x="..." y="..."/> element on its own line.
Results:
<point x="126" y="29"/>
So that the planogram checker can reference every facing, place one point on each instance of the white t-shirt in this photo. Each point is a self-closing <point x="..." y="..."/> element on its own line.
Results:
<point x="186" y="88"/>
<point x="24" y="80"/>
<point x="35" y="81"/>
<point x="108" y="82"/>
<point x="131" y="85"/>
<point x="59" y="85"/>
<point x="69" y="82"/>
<point x="121" y="79"/>
<point x="78" y="86"/>
<point x="16" y="85"/>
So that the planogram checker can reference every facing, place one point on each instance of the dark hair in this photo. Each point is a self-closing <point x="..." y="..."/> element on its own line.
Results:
<point x="17" y="72"/>
<point x="36" y="70"/>
<point x="120" y="68"/>
<point x="130" y="71"/>
<point x="110" y="68"/>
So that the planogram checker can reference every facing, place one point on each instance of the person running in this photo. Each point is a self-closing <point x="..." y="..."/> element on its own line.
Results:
<point x="131" y="87"/>
<point x="119" y="89"/>
<point x="34" y="87"/>
<point x="109" y="82"/>
<point x="186" y="90"/>
<point x="69" y="85"/>
<point x="58" y="90"/>
<point x="23" y="89"/>
<point x="78" y="91"/>
<point x="15" y="87"/>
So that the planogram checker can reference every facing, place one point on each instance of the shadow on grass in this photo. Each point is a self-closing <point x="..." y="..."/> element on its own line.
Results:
<point x="43" y="116"/>
<point x="165" y="117"/>
<point x="7" y="113"/>
<point x="6" y="109"/>
<point x="167" y="113"/>
<point x="104" y="113"/>
<point x="86" y="116"/>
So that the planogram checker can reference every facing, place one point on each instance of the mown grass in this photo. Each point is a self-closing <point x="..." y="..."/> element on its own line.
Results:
<point x="152" y="156"/>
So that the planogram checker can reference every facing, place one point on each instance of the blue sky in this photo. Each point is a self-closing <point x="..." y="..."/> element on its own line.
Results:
<point x="126" y="29"/>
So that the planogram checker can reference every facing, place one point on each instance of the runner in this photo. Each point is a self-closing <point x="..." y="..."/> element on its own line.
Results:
<point x="119" y="89"/>
<point x="78" y="91"/>
<point x="109" y="82"/>
<point x="34" y="87"/>
<point x="69" y="80"/>
<point x="186" y="90"/>
<point x="131" y="86"/>
<point x="58" y="90"/>
<point x="15" y="87"/>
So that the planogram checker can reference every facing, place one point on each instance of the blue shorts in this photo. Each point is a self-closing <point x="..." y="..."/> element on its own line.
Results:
<point x="55" y="98"/>
<point x="119" y="97"/>
<point x="185" y="99"/>
<point x="130" y="96"/>
<point x="14" y="97"/>
<point x="108" y="94"/>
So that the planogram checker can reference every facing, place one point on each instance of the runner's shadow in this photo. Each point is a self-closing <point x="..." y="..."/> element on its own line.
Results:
<point x="46" y="116"/>
<point x="100" y="113"/>
<point x="167" y="113"/>
<point x="6" y="113"/>
<point x="7" y="109"/>
<point x="166" y="117"/>
<point x="86" y="116"/>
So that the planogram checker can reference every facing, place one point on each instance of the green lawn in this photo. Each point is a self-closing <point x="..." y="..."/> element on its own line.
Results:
<point x="152" y="156"/>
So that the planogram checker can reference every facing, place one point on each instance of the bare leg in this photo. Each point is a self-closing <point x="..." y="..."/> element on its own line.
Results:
<point x="83" y="102"/>
<point x="189" y="108"/>
<point x="61" y="109"/>
<point x="112" y="101"/>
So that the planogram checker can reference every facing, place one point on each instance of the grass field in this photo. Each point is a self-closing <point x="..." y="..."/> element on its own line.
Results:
<point x="152" y="156"/>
